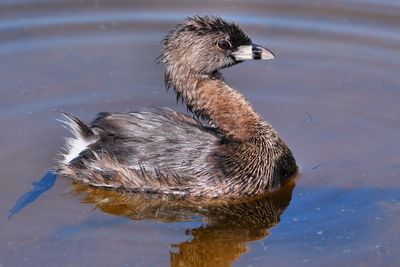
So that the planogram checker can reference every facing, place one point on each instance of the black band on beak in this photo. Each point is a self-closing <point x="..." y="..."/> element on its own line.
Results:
<point x="256" y="51"/>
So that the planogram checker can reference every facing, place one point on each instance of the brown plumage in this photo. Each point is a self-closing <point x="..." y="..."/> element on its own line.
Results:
<point x="231" y="152"/>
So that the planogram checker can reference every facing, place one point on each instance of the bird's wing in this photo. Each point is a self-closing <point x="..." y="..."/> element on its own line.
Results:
<point x="153" y="149"/>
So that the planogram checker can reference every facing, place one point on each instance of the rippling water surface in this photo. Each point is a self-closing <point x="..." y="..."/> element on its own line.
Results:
<point x="333" y="94"/>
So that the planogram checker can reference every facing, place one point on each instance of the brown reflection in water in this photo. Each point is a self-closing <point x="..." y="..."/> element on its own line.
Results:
<point x="229" y="225"/>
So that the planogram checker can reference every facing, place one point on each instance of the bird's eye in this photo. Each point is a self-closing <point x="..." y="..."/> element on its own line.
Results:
<point x="224" y="44"/>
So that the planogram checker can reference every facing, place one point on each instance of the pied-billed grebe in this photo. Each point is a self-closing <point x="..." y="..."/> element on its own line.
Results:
<point x="231" y="152"/>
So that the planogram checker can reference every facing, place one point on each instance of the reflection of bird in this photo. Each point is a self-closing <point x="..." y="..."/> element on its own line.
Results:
<point x="234" y="152"/>
<point x="229" y="224"/>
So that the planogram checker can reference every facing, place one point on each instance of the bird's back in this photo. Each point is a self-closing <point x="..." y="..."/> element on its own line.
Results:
<point x="144" y="151"/>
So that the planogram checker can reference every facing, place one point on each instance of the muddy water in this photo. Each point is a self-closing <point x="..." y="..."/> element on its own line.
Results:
<point x="333" y="93"/>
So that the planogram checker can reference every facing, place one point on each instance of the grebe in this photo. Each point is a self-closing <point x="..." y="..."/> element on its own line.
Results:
<point x="230" y="151"/>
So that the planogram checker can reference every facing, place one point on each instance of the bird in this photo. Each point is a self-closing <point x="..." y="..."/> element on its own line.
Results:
<point x="221" y="149"/>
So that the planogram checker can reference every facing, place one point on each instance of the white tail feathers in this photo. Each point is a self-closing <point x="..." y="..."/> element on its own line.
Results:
<point x="83" y="136"/>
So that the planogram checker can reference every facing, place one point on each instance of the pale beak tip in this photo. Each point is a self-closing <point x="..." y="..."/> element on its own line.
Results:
<point x="267" y="54"/>
<point x="262" y="53"/>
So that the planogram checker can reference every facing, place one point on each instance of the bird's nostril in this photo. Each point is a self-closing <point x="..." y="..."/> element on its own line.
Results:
<point x="255" y="49"/>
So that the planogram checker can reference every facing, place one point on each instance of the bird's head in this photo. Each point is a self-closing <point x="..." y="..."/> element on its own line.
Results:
<point x="204" y="44"/>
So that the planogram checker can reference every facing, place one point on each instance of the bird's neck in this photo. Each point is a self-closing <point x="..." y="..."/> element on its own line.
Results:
<point x="210" y="97"/>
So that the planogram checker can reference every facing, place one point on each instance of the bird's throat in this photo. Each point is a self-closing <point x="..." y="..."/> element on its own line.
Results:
<point x="208" y="96"/>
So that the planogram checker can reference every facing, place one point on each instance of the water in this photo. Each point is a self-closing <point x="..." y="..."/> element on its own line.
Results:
<point x="332" y="93"/>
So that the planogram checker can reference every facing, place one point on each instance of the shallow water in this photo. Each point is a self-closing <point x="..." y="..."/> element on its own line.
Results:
<point x="332" y="93"/>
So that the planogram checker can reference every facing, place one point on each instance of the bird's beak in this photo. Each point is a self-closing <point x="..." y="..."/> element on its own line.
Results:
<point x="253" y="51"/>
